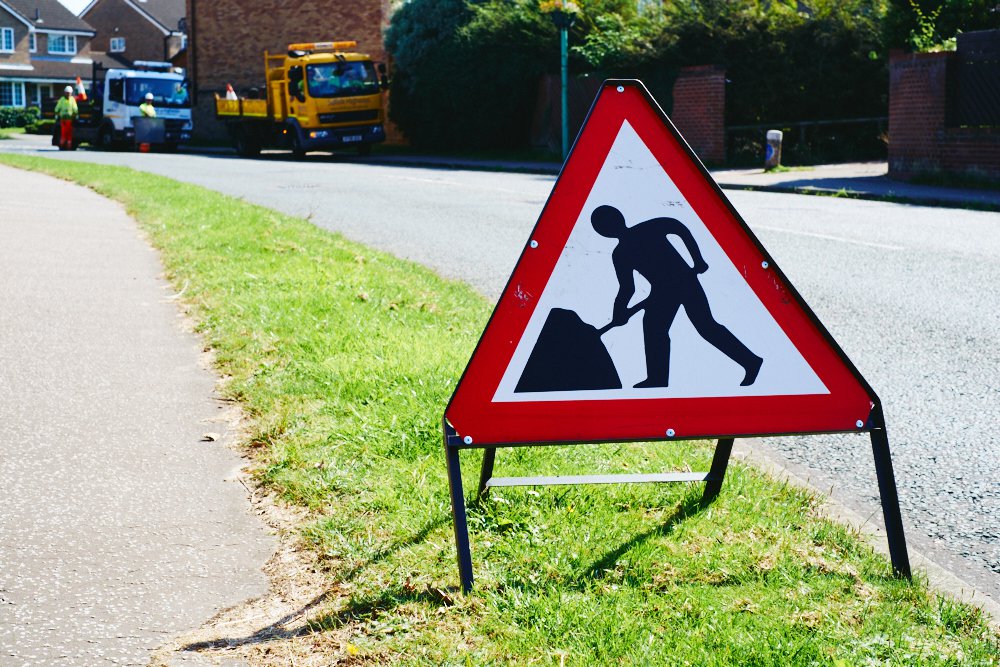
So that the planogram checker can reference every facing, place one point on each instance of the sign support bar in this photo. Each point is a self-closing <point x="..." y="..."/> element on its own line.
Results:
<point x="888" y="494"/>
<point x="453" y="445"/>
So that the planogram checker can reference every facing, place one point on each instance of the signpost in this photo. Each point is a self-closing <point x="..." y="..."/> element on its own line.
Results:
<point x="643" y="308"/>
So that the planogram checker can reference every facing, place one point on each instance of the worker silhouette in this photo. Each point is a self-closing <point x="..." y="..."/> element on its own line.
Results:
<point x="645" y="249"/>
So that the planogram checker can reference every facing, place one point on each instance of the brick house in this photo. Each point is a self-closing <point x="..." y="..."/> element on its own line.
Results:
<point x="43" y="47"/>
<point x="131" y="30"/>
<point x="227" y="40"/>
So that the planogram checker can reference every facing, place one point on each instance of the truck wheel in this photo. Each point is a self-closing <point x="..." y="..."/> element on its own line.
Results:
<point x="246" y="146"/>
<point x="106" y="139"/>
<point x="298" y="152"/>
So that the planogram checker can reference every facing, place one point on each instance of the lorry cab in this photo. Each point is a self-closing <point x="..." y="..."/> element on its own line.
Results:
<point x="125" y="89"/>
<point x="326" y="95"/>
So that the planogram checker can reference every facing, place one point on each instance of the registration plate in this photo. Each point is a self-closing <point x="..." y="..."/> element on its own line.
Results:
<point x="351" y="138"/>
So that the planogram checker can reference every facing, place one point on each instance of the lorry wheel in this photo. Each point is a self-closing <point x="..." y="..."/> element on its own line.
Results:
<point x="246" y="146"/>
<point x="298" y="152"/>
<point x="106" y="139"/>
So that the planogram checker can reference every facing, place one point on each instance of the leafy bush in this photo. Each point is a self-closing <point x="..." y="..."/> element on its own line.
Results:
<point x="922" y="25"/>
<point x="18" y="116"/>
<point x="466" y="72"/>
<point x="40" y="127"/>
<point x="465" y="76"/>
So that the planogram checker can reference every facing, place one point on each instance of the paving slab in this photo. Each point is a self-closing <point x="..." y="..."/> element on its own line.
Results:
<point x="120" y="524"/>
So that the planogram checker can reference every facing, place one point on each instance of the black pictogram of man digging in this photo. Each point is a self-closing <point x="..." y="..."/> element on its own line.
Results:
<point x="569" y="354"/>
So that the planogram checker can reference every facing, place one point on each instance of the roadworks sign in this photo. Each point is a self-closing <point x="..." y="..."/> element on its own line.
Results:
<point x="644" y="308"/>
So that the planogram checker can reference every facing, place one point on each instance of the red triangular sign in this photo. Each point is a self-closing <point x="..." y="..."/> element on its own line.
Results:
<point x="644" y="308"/>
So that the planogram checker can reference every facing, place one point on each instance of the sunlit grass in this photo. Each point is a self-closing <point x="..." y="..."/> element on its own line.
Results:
<point x="344" y="359"/>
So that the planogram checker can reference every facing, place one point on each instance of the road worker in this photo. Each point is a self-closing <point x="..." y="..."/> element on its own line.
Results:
<point x="147" y="109"/>
<point x="66" y="112"/>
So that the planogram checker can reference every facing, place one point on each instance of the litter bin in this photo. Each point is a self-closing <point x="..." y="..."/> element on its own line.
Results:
<point x="772" y="153"/>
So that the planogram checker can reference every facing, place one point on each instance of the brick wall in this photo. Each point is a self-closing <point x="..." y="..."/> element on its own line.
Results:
<point x="699" y="111"/>
<point x="114" y="18"/>
<point x="20" y="55"/>
<point x="920" y="142"/>
<point x="227" y="40"/>
<point x="917" y="105"/>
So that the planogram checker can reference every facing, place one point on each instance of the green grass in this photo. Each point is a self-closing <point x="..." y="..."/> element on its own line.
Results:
<point x="7" y="132"/>
<point x="344" y="359"/>
<point x="782" y="169"/>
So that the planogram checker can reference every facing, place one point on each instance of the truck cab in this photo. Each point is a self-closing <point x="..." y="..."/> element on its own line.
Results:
<point x="327" y="96"/>
<point x="124" y="90"/>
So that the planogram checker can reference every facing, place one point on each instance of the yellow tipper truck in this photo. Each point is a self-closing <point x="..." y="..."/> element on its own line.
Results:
<point x="318" y="96"/>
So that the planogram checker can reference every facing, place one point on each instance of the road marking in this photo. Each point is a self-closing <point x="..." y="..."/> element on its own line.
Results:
<point x="870" y="244"/>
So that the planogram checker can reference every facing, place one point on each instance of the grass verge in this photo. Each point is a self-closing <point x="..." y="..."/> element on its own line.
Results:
<point x="344" y="358"/>
<point x="7" y="132"/>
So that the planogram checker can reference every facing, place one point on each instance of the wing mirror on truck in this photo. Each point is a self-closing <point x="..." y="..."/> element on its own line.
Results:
<point x="383" y="77"/>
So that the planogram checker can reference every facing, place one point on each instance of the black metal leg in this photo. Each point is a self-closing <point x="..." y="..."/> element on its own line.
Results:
<point x="890" y="498"/>
<point x="458" y="514"/>
<point x="720" y="462"/>
<point x="489" y="457"/>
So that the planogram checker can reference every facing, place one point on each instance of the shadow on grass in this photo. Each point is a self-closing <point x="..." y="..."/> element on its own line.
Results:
<point x="693" y="503"/>
<point x="359" y="609"/>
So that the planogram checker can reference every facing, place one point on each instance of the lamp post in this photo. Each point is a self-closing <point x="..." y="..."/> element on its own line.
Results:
<point x="563" y="13"/>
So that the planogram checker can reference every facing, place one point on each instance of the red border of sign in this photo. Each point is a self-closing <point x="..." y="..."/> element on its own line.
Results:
<point x="473" y="414"/>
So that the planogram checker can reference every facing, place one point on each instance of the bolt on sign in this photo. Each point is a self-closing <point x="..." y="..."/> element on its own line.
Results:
<point x="643" y="308"/>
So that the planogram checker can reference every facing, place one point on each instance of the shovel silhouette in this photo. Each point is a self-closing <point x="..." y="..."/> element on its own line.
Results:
<point x="569" y="355"/>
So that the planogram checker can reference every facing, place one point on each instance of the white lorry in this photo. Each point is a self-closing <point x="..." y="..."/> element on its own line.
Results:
<point x="110" y="116"/>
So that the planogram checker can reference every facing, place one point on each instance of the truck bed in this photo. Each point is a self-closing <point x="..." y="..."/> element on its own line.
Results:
<point x="240" y="108"/>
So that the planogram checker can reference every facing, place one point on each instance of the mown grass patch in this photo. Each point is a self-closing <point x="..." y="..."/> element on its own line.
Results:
<point x="344" y="359"/>
<point x="8" y="132"/>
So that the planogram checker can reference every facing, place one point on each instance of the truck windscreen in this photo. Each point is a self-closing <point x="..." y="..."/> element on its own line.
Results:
<point x="166" y="92"/>
<point x="340" y="79"/>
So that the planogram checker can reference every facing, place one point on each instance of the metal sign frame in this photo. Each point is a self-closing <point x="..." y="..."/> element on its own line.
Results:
<point x="873" y="423"/>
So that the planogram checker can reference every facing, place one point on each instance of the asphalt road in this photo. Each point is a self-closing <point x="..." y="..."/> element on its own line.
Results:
<point x="909" y="292"/>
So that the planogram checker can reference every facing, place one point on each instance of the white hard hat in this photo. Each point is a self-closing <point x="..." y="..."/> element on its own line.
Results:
<point x="149" y="96"/>
<point x="68" y="89"/>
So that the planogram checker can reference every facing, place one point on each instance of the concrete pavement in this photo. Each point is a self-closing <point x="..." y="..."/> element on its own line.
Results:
<point x="120" y="524"/>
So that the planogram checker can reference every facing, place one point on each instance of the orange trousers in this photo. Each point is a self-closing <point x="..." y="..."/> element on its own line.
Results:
<point x="66" y="133"/>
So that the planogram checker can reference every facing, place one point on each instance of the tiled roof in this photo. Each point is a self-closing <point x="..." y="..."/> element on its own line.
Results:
<point x="167" y="13"/>
<point x="53" y="15"/>
<point x="58" y="70"/>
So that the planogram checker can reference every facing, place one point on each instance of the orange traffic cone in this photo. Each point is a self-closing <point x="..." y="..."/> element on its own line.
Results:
<point x="230" y="93"/>
<point x="81" y="92"/>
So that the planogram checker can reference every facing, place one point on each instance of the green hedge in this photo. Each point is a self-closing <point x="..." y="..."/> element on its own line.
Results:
<point x="18" y="116"/>
<point x="40" y="127"/>
<point x="465" y="76"/>
<point x="466" y="73"/>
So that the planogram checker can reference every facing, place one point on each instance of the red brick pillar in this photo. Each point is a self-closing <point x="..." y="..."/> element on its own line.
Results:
<point x="700" y="111"/>
<point x="917" y="103"/>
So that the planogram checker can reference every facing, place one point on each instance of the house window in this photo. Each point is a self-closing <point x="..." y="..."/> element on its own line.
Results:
<point x="64" y="44"/>
<point x="11" y="94"/>
<point x="32" y="42"/>
<point x="6" y="40"/>
<point x="117" y="44"/>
